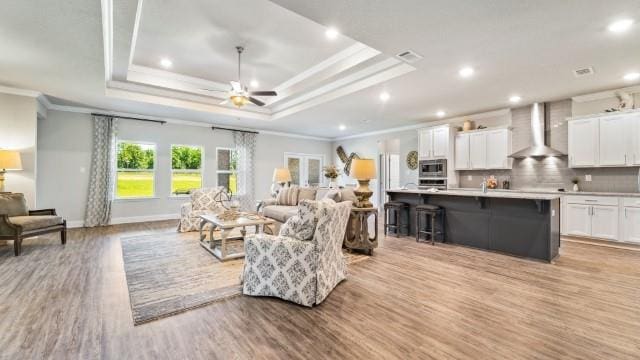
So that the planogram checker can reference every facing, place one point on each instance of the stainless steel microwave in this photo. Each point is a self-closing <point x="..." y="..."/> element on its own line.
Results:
<point x="433" y="168"/>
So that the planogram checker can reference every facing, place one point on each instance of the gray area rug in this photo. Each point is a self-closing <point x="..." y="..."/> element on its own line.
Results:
<point x="171" y="273"/>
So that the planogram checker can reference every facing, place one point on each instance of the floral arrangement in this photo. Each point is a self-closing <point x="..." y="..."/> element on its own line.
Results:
<point x="331" y="172"/>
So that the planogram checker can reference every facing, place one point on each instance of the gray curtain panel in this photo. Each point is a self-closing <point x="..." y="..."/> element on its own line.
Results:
<point x="245" y="144"/>
<point x="103" y="171"/>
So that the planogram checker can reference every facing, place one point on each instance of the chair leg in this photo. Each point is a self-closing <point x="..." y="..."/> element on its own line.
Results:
<point x="385" y="221"/>
<point x="17" y="246"/>
<point x="417" y="226"/>
<point x="433" y="229"/>
<point x="63" y="233"/>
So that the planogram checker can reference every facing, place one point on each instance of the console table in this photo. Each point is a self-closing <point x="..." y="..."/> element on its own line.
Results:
<point x="357" y="236"/>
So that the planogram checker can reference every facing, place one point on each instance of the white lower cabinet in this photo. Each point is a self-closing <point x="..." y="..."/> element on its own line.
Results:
<point x="591" y="217"/>
<point x="604" y="222"/>
<point x="578" y="220"/>
<point x="631" y="224"/>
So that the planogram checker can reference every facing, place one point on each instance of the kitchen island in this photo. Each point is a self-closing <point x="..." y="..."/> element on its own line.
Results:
<point x="521" y="224"/>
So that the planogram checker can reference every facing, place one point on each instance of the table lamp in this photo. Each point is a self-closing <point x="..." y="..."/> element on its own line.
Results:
<point x="281" y="176"/>
<point x="9" y="160"/>
<point x="363" y="170"/>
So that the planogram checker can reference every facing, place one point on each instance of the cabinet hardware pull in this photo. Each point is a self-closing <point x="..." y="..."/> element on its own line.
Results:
<point x="625" y="212"/>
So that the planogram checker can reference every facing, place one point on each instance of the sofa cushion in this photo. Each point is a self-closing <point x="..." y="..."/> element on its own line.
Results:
<point x="279" y="213"/>
<point x="347" y="194"/>
<point x="307" y="194"/>
<point x="288" y="196"/>
<point x="35" y="222"/>
<point x="204" y="199"/>
<point x="13" y="204"/>
<point x="333" y="194"/>
<point x="302" y="225"/>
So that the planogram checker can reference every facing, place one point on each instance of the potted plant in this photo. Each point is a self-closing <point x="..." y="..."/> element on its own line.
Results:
<point x="575" y="182"/>
<point x="331" y="172"/>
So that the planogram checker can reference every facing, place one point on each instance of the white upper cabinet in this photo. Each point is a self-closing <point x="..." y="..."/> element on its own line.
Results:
<point x="498" y="148"/>
<point x="478" y="150"/>
<point x="610" y="140"/>
<point x="462" y="152"/>
<point x="434" y="142"/>
<point x="440" y="142"/>
<point x="583" y="142"/>
<point x="485" y="149"/>
<point x="615" y="141"/>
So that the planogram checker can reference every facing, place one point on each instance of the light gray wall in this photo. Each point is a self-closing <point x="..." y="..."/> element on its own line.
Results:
<point x="552" y="173"/>
<point x="64" y="145"/>
<point x="401" y="142"/>
<point x="18" y="131"/>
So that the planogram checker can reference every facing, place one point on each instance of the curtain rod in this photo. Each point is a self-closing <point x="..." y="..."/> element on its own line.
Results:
<point x="244" y="131"/>
<point x="130" y="118"/>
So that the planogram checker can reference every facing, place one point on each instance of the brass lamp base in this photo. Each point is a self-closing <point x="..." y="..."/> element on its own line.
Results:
<point x="363" y="193"/>
<point x="2" y="180"/>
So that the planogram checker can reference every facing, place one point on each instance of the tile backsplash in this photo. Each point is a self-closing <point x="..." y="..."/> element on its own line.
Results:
<point x="552" y="173"/>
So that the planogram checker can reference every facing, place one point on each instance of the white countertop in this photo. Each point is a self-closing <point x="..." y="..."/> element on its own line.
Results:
<point x="478" y="193"/>
<point x="560" y="193"/>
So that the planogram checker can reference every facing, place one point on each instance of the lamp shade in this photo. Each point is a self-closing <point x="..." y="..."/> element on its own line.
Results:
<point x="363" y="169"/>
<point x="10" y="160"/>
<point x="281" y="175"/>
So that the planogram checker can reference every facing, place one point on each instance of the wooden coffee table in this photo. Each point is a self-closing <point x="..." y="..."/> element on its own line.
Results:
<point x="218" y="247"/>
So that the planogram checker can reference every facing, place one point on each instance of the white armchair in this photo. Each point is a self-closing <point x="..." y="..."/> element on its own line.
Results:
<point x="202" y="202"/>
<point x="304" y="272"/>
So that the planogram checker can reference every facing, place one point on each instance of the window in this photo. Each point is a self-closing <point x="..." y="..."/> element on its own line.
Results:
<point x="136" y="170"/>
<point x="186" y="168"/>
<point x="305" y="169"/>
<point x="227" y="160"/>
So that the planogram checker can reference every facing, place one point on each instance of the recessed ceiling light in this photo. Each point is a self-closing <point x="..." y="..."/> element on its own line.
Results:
<point x="166" y="63"/>
<point x="515" y="99"/>
<point x="254" y="83"/>
<point x="632" y="76"/>
<point x="441" y="113"/>
<point x="466" y="71"/>
<point x="331" y="33"/>
<point x="620" y="25"/>
<point x="342" y="127"/>
<point x="384" y="96"/>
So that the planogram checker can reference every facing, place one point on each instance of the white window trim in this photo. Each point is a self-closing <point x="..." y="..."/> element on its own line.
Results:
<point x="155" y="166"/>
<point x="202" y="158"/>
<point x="218" y="171"/>
<point x="304" y="156"/>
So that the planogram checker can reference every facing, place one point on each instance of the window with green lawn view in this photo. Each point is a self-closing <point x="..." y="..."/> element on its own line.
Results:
<point x="136" y="170"/>
<point x="227" y="160"/>
<point x="186" y="169"/>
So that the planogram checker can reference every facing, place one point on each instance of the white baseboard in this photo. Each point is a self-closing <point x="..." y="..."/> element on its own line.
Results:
<point x="129" y="220"/>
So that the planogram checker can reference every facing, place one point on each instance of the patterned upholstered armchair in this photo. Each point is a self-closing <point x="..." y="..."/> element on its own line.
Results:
<point x="203" y="201"/>
<point x="304" y="272"/>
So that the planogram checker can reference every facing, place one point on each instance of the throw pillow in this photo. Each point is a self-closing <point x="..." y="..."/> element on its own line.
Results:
<point x="307" y="194"/>
<point x="288" y="196"/>
<point x="204" y="199"/>
<point x="333" y="195"/>
<point x="347" y="194"/>
<point x="13" y="204"/>
<point x="302" y="225"/>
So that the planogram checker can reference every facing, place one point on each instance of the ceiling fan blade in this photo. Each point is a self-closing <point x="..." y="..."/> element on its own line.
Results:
<point x="263" y="93"/>
<point x="256" y="101"/>
<point x="214" y="90"/>
<point x="224" y="102"/>
<point x="236" y="86"/>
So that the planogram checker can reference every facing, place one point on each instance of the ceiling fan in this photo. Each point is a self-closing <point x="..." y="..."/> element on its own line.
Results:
<point x="239" y="95"/>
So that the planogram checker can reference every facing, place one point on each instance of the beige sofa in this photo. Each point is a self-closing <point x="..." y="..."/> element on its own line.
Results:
<point x="281" y="213"/>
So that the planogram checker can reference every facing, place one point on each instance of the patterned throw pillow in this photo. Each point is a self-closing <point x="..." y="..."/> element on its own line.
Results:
<point x="288" y="196"/>
<point x="302" y="225"/>
<point x="204" y="199"/>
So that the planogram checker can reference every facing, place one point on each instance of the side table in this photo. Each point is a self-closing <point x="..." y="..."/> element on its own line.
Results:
<point x="357" y="236"/>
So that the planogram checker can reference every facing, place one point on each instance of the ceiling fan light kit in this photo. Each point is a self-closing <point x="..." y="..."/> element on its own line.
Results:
<point x="239" y="95"/>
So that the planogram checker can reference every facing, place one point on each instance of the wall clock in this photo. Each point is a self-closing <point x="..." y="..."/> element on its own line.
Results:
<point x="412" y="160"/>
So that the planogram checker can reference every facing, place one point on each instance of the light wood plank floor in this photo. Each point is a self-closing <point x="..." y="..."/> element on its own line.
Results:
<point x="409" y="301"/>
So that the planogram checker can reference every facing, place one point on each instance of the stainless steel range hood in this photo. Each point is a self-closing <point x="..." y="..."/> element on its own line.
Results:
<point x="539" y="143"/>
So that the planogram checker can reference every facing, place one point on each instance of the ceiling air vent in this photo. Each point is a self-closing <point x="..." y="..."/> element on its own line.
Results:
<point x="409" y="56"/>
<point x="583" y="72"/>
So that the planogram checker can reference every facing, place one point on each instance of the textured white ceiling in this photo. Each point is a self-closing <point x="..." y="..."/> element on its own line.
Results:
<point x="524" y="47"/>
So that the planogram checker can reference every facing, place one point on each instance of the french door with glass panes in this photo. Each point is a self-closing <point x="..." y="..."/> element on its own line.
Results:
<point x="305" y="169"/>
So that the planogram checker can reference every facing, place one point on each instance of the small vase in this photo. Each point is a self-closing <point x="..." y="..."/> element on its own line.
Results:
<point x="576" y="188"/>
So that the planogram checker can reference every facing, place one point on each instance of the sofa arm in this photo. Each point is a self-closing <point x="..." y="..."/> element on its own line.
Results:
<point x="42" y="212"/>
<point x="7" y="228"/>
<point x="266" y="202"/>
<point x="185" y="209"/>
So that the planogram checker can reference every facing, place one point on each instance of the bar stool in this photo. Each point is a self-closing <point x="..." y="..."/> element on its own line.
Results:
<point x="431" y="212"/>
<point x="398" y="208"/>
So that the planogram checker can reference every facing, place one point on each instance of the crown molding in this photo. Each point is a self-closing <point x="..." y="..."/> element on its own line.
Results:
<point x="21" y="92"/>
<point x="604" y="94"/>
